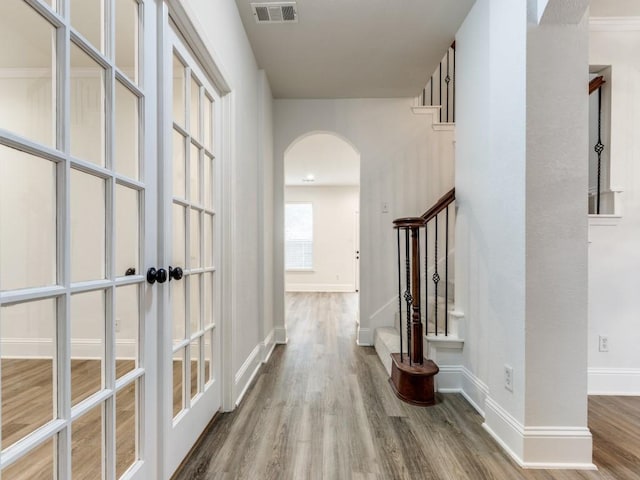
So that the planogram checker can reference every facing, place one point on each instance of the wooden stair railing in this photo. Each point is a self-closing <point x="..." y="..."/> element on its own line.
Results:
<point x="412" y="374"/>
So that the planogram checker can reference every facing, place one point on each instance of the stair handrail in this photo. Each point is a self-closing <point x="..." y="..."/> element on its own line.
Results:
<point x="442" y="203"/>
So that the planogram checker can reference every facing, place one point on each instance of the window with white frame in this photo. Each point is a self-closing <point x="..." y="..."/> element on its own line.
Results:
<point x="298" y="236"/>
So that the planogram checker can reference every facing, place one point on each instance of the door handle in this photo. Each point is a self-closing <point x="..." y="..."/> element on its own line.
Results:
<point x="175" y="273"/>
<point x="159" y="275"/>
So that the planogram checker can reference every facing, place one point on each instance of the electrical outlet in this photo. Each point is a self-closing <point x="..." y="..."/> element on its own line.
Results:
<point x="508" y="378"/>
<point x="385" y="207"/>
<point x="117" y="325"/>
<point x="603" y="343"/>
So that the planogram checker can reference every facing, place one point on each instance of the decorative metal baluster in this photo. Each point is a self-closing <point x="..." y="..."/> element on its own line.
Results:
<point x="424" y="96"/>
<point x="436" y="277"/>
<point x="447" y="80"/>
<point x="446" y="273"/>
<point x="599" y="148"/>
<point x="440" y="89"/>
<point x="407" y="292"/>
<point x="426" y="282"/>
<point x="454" y="83"/>
<point x="431" y="86"/>
<point x="399" y="294"/>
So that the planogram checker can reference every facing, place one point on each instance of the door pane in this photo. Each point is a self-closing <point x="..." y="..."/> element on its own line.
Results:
<point x="38" y="464"/>
<point x="127" y="132"/>
<point x="178" y="380"/>
<point x="208" y="181"/>
<point x="179" y="232"/>
<point x="87" y="344"/>
<point x="127" y="37"/>
<point x="208" y="356"/>
<point x="87" y="438"/>
<point x="87" y="107"/>
<point x="195" y="175"/>
<point x="208" y="299"/>
<point x="194" y="287"/>
<point x="28" y="368"/>
<point x="194" y="109"/>
<point x="127" y="234"/>
<point x="178" y="307"/>
<point x="208" y="240"/>
<point x="28" y="218"/>
<point x="87" y="227"/>
<point x="179" y="165"/>
<point x="195" y="366"/>
<point x="27" y="77"/>
<point x="208" y="122"/>
<point x="87" y="16"/>
<point x="126" y="423"/>
<point x="127" y="329"/>
<point x="194" y="241"/>
<point x="179" y="101"/>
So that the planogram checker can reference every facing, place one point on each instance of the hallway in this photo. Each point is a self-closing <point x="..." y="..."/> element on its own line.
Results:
<point x="321" y="408"/>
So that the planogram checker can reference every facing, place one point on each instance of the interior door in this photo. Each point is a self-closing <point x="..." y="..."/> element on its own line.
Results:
<point x="192" y="244"/>
<point x="77" y="215"/>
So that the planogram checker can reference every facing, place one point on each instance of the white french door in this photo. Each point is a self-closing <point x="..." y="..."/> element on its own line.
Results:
<point x="192" y="354"/>
<point x="77" y="231"/>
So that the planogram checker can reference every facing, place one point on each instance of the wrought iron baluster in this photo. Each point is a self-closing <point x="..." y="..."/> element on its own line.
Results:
<point x="399" y="294"/>
<point x="454" y="83"/>
<point x="436" y="277"/>
<point x="447" y="80"/>
<point x="440" y="89"/>
<point x="446" y="273"/>
<point x="407" y="293"/>
<point x="426" y="282"/>
<point x="599" y="148"/>
<point x="431" y="87"/>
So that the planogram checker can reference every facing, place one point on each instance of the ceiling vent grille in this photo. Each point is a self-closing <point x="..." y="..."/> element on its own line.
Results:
<point x="281" y="12"/>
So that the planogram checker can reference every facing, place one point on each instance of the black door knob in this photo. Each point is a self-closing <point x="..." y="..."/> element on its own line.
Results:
<point x="175" y="273"/>
<point x="154" y="275"/>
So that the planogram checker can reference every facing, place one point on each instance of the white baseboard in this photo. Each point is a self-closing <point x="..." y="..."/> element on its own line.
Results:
<point x="547" y="447"/>
<point x="364" y="336"/>
<point x="459" y="379"/>
<point x="614" y="381"/>
<point x="44" y="348"/>
<point x="246" y="373"/>
<point x="280" y="335"/>
<point x="268" y="344"/>
<point x="320" y="287"/>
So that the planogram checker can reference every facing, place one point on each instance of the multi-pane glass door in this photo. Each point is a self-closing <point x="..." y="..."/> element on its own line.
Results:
<point x="194" y="391"/>
<point x="74" y="179"/>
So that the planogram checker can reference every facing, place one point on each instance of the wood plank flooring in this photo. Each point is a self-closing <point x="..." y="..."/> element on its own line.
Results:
<point x="322" y="409"/>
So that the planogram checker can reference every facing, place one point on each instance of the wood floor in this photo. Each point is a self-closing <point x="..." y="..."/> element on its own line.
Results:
<point x="322" y="409"/>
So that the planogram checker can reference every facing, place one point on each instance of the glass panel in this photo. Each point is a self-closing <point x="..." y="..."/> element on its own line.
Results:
<point x="208" y="299"/>
<point x="27" y="78"/>
<point x="28" y="368"/>
<point x="195" y="366"/>
<point x="208" y="122"/>
<point x="87" y="227"/>
<point x="194" y="292"/>
<point x="179" y="101"/>
<point x="208" y="182"/>
<point x="127" y="235"/>
<point x="87" y="344"/>
<point x="178" y="306"/>
<point x="179" y="165"/>
<point x="38" y="464"/>
<point x="208" y="240"/>
<point x="195" y="174"/>
<point x="126" y="422"/>
<point x="127" y="37"/>
<point x="28" y="219"/>
<point x="194" y="110"/>
<point x="87" y="16"/>
<point x="127" y="329"/>
<point x="126" y="135"/>
<point x="87" y="438"/>
<point x="87" y="107"/>
<point x="179" y="233"/>
<point x="194" y="240"/>
<point x="208" y="356"/>
<point x="178" y="376"/>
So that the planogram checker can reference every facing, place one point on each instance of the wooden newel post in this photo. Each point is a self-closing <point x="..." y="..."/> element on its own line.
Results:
<point x="416" y="321"/>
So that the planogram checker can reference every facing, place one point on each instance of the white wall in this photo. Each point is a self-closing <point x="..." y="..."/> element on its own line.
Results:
<point x="613" y="259"/>
<point x="334" y="228"/>
<point x="521" y="235"/>
<point x="400" y="164"/>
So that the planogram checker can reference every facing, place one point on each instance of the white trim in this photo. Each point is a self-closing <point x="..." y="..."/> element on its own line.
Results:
<point x="246" y="373"/>
<point x="614" y="24"/>
<point x="474" y="390"/>
<point x="320" y="287"/>
<point x="280" y="334"/>
<point x="43" y="348"/>
<point x="364" y="337"/>
<point x="614" y="381"/>
<point x="544" y="447"/>
<point x="604" y="220"/>
<point x="427" y="110"/>
<point x="268" y="344"/>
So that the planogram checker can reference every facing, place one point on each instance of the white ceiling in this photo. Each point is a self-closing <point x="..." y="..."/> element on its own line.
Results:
<point x="331" y="160"/>
<point x="355" y="48"/>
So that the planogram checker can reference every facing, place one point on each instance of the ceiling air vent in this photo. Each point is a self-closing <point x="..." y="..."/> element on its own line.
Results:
<point x="282" y="12"/>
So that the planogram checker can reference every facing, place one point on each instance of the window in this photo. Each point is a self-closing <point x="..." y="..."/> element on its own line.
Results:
<point x="298" y="236"/>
